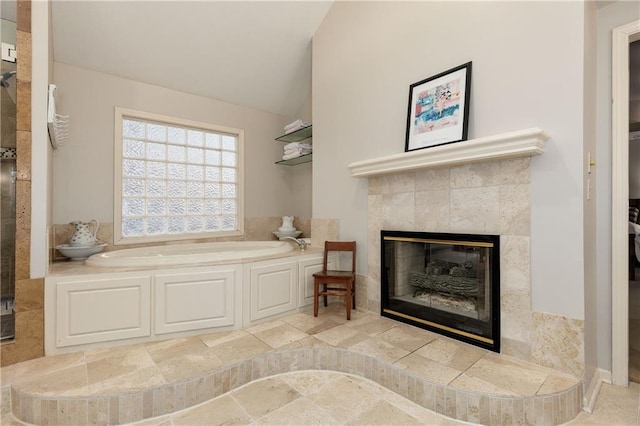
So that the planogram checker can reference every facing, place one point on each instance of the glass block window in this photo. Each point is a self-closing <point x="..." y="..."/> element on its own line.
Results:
<point x="176" y="179"/>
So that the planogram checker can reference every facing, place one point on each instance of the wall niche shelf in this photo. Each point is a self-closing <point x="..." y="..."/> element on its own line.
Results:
<point x="297" y="136"/>
<point x="295" y="161"/>
<point x="520" y="143"/>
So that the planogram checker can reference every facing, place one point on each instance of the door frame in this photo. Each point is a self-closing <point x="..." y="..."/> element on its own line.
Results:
<point x="621" y="37"/>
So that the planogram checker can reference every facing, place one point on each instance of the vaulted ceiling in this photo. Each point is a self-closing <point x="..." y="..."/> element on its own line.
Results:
<point x="251" y="53"/>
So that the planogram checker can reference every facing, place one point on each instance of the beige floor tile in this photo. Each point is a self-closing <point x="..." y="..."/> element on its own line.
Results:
<point x="553" y="384"/>
<point x="68" y="382"/>
<point x="302" y="411"/>
<point x="222" y="337"/>
<point x="431" y="370"/>
<point x="122" y="370"/>
<point x="141" y="378"/>
<point x="338" y="397"/>
<point x="310" y="324"/>
<point x="371" y="325"/>
<point x="280" y="335"/>
<point x="104" y="364"/>
<point x="240" y="349"/>
<point x="508" y="375"/>
<point x="475" y="384"/>
<point x="337" y="313"/>
<point x="407" y="337"/>
<point x="380" y="349"/>
<point x="615" y="406"/>
<point x="307" y="382"/>
<point x="268" y="325"/>
<point x="220" y="411"/>
<point x="384" y="413"/>
<point x="307" y="342"/>
<point x="342" y="336"/>
<point x="180" y="359"/>
<point x="265" y="396"/>
<point x="39" y="367"/>
<point x="452" y="354"/>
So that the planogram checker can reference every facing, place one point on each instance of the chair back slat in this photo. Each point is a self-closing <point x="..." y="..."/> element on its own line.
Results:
<point x="339" y="246"/>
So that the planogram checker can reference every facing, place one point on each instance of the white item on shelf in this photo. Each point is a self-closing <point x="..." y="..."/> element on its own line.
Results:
<point x="292" y="127"/>
<point x="287" y="224"/>
<point x="281" y="235"/>
<point x="58" y="124"/>
<point x="83" y="236"/>
<point x="294" y="155"/>
<point x="296" y="145"/>
<point x="80" y="253"/>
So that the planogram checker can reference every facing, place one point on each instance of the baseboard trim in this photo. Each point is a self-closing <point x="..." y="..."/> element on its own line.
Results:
<point x="599" y="377"/>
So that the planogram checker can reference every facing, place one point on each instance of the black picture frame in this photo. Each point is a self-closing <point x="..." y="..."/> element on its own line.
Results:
<point x="438" y="112"/>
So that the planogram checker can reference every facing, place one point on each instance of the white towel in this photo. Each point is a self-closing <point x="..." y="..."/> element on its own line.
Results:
<point x="293" y="155"/>
<point x="294" y="129"/>
<point x="295" y="145"/>
<point x="296" y="124"/>
<point x="297" y="151"/>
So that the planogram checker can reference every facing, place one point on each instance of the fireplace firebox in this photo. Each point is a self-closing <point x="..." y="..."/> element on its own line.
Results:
<point x="446" y="283"/>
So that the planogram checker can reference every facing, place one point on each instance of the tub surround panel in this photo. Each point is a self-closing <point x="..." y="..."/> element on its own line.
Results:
<point x="324" y="230"/>
<point x="490" y="197"/>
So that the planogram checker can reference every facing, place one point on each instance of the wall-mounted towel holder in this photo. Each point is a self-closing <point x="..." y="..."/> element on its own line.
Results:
<point x="58" y="124"/>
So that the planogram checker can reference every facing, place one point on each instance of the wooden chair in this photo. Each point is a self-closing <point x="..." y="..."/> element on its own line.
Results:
<point x="329" y="279"/>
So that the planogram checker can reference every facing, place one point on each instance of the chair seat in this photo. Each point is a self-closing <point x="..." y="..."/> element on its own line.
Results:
<point x="334" y="274"/>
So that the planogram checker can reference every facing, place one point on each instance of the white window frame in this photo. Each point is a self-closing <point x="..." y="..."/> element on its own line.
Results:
<point x="123" y="113"/>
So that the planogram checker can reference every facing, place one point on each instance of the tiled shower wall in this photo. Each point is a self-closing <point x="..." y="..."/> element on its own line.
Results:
<point x="29" y="293"/>
<point x="485" y="198"/>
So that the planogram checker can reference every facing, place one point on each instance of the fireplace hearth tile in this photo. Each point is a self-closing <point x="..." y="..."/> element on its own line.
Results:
<point x="380" y="349"/>
<point x="342" y="336"/>
<point x="407" y="337"/>
<point x="371" y="326"/>
<point x="474" y="384"/>
<point x="451" y="354"/>
<point x="508" y="374"/>
<point x="423" y="367"/>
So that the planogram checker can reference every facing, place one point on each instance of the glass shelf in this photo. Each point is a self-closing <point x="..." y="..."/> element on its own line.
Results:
<point x="297" y="136"/>
<point x="295" y="161"/>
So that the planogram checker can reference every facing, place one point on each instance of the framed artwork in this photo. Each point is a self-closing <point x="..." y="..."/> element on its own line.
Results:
<point x="439" y="109"/>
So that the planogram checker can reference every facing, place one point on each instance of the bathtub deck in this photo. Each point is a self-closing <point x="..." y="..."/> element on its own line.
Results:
<point x="131" y="383"/>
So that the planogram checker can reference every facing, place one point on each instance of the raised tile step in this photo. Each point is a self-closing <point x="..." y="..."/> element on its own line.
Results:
<point x="127" y="384"/>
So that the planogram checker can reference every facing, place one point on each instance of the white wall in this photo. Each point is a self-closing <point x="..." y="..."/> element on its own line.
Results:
<point x="527" y="72"/>
<point x="590" y="199"/>
<point x="41" y="74"/>
<point x="83" y="169"/>
<point x="609" y="17"/>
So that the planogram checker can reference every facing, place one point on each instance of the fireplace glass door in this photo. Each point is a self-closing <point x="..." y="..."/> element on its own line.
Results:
<point x="447" y="283"/>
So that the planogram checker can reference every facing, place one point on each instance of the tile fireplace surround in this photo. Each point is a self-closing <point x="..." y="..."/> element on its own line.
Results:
<point x="478" y="186"/>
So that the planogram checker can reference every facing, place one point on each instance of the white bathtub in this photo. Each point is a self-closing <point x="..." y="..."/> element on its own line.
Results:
<point x="189" y="254"/>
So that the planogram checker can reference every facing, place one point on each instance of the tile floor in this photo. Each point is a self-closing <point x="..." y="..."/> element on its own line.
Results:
<point x="303" y="397"/>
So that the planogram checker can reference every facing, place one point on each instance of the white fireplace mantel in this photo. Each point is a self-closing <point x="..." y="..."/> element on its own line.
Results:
<point x="521" y="143"/>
